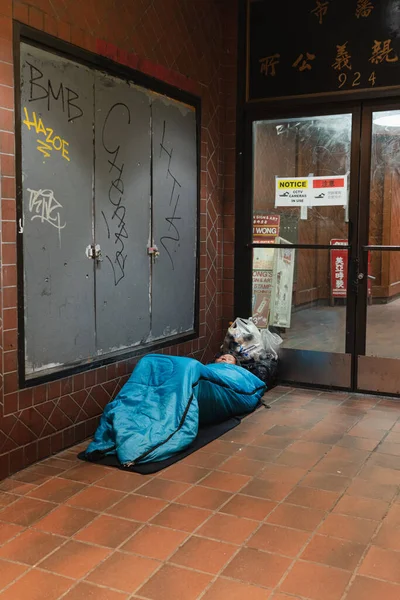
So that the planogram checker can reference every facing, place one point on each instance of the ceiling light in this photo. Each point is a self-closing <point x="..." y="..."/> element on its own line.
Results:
<point x="388" y="120"/>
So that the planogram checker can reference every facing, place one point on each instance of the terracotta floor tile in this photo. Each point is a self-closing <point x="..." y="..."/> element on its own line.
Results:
<point x="203" y="554"/>
<point x="137" y="508"/>
<point x="56" y="490"/>
<point x="205" y="460"/>
<point x="16" y="487"/>
<point x="122" y="482"/>
<point x="349" y="528"/>
<point x="389" y="448"/>
<point x="369" y="489"/>
<point x="174" y="583"/>
<point x="393" y="516"/>
<point x="297" y="517"/>
<point x="282" y="474"/>
<point x="258" y="453"/>
<point x="283" y="597"/>
<point x="381" y="564"/>
<point x="8" y="572"/>
<point x="203" y="497"/>
<point x="30" y="546"/>
<point x="292" y="433"/>
<point x="271" y="441"/>
<point x="293" y="459"/>
<point x="65" y="520"/>
<point x="271" y="490"/>
<point x="334" y="552"/>
<point x="349" y="441"/>
<point x="228" y="528"/>
<point x="348" y="454"/>
<point x="328" y="482"/>
<point x="240" y="436"/>
<point x="123" y="572"/>
<point x="316" y="582"/>
<point x="184" y="518"/>
<point x="280" y="540"/>
<point x="242" y="466"/>
<point x="222" y="447"/>
<point x="393" y="438"/>
<point x="337" y="466"/>
<point x="74" y="559"/>
<point x="6" y="499"/>
<point x="364" y="588"/>
<point x="163" y="489"/>
<point x="37" y="585"/>
<point x="259" y="568"/>
<point x="312" y="498"/>
<point x="183" y="473"/>
<point x="107" y="531"/>
<point x="8" y="531"/>
<point x="366" y="508"/>
<point x="382" y="468"/>
<point x="155" y="542"/>
<point x="26" y="511"/>
<point x="367" y="433"/>
<point x="88" y="591"/>
<point x="388" y="537"/>
<point x="248" y="507"/>
<point x="86" y="473"/>
<point x="228" y="482"/>
<point x="96" y="498"/>
<point x="224" y="589"/>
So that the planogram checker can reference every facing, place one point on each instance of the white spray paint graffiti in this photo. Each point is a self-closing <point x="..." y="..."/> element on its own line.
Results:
<point x="46" y="208"/>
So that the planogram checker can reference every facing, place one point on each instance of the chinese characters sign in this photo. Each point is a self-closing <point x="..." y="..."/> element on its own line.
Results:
<point x="339" y="269"/>
<point x="311" y="191"/>
<point x="318" y="46"/>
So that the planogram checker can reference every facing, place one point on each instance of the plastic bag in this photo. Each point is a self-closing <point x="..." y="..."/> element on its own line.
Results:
<point x="243" y="339"/>
<point x="271" y="342"/>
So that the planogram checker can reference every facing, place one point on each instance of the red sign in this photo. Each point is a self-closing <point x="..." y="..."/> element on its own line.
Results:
<point x="339" y="269"/>
<point x="328" y="183"/>
<point x="265" y="228"/>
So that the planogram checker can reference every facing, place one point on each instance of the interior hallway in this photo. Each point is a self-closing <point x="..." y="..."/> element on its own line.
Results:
<point x="323" y="328"/>
<point x="299" y="501"/>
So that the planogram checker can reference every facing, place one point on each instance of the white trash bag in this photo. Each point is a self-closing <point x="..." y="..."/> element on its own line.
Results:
<point x="271" y="342"/>
<point x="243" y="339"/>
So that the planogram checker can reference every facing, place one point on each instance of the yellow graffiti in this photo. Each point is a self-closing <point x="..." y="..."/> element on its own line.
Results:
<point x="50" y="142"/>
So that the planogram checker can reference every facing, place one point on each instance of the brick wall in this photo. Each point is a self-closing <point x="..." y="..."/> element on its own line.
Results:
<point x="192" y="44"/>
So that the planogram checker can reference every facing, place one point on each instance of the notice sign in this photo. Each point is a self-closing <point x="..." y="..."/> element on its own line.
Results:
<point x="329" y="191"/>
<point x="265" y="228"/>
<point x="292" y="191"/>
<point x="339" y="269"/>
<point x="311" y="191"/>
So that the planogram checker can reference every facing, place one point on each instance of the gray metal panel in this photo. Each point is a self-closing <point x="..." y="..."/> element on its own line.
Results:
<point x="315" y="368"/>
<point x="57" y="158"/>
<point x="122" y="200"/>
<point x="174" y="217"/>
<point x="378" y="375"/>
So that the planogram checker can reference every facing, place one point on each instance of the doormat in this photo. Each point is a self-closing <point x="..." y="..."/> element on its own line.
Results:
<point x="205" y="436"/>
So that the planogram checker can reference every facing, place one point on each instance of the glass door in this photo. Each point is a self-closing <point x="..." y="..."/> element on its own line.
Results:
<point x="378" y="312"/>
<point x="304" y="198"/>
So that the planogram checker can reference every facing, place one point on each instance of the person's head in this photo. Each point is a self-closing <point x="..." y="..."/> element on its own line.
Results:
<point x="226" y="358"/>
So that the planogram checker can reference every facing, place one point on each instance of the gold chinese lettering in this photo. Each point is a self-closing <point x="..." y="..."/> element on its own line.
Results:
<point x="301" y="62"/>
<point x="342" y="59"/>
<point x="382" y="51"/>
<point x="268" y="64"/>
<point x="364" y="8"/>
<point x="320" y="10"/>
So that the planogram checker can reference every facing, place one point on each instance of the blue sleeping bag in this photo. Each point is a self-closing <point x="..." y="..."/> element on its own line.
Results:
<point x="159" y="410"/>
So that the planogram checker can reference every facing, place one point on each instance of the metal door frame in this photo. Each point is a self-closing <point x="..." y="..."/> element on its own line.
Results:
<point x="359" y="211"/>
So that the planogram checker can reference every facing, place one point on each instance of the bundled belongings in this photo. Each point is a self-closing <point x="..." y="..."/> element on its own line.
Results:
<point x="159" y="410"/>
<point x="254" y="349"/>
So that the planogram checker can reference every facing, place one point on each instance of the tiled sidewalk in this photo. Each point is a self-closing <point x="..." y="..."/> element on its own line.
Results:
<point x="300" y="501"/>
